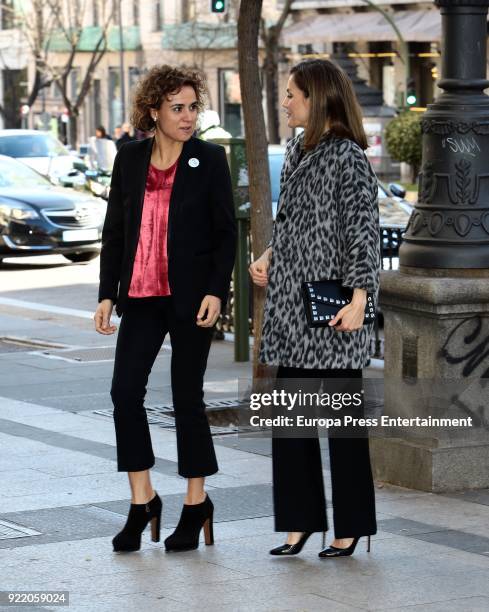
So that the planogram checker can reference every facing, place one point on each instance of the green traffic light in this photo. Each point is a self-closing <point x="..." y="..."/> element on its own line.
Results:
<point x="218" y="6"/>
<point x="411" y="99"/>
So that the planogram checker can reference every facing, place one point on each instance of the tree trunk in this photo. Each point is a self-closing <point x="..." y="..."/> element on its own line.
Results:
<point x="73" y="129"/>
<point x="256" y="151"/>
<point x="271" y="81"/>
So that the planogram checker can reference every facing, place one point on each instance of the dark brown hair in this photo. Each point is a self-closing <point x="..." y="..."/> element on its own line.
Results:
<point x="332" y="100"/>
<point x="159" y="82"/>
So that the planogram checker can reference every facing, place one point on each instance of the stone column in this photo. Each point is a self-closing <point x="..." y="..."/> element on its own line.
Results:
<point x="436" y="307"/>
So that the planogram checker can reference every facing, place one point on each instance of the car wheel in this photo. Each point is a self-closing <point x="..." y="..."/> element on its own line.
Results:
<point x="81" y="257"/>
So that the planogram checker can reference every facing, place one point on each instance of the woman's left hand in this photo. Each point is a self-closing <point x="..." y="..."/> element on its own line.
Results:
<point x="351" y="315"/>
<point x="212" y="305"/>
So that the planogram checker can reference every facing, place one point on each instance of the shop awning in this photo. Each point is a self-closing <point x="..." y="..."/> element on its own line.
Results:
<point x="419" y="26"/>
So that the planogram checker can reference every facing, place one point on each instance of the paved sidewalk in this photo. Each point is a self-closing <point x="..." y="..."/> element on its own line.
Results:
<point x="62" y="500"/>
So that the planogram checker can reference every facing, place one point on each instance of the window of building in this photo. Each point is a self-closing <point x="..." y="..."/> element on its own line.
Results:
<point x="230" y="102"/>
<point x="7" y="9"/>
<point x="133" y="77"/>
<point x="74" y="83"/>
<point x="157" y="15"/>
<point x="14" y="90"/>
<point x="54" y="91"/>
<point x="421" y="66"/>
<point x="188" y="10"/>
<point x="115" y="99"/>
<point x="96" y="106"/>
<point x="95" y="13"/>
<point x="135" y="12"/>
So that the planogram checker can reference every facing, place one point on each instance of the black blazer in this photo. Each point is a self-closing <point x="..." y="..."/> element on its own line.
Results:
<point x="201" y="240"/>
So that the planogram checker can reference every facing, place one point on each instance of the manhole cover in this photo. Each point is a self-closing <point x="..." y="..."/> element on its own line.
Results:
<point x="11" y="344"/>
<point x="84" y="355"/>
<point x="10" y="530"/>
<point x="222" y="416"/>
<point x="77" y="355"/>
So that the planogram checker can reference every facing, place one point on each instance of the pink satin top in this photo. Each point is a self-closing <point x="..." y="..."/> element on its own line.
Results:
<point x="150" y="270"/>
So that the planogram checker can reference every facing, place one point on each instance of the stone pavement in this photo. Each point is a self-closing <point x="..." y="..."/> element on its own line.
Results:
<point x="62" y="500"/>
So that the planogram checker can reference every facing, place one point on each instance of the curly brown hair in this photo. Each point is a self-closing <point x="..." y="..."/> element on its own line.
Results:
<point x="159" y="82"/>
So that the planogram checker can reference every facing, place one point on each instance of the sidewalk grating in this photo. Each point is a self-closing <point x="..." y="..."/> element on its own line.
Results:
<point x="10" y="530"/>
<point x="220" y="413"/>
<point x="12" y="344"/>
<point x="82" y="355"/>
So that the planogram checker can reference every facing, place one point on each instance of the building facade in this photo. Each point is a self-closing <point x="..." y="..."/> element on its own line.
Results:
<point x="147" y="32"/>
<point x="180" y="32"/>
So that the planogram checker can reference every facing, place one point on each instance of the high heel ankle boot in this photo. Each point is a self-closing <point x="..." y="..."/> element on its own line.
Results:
<point x="193" y="518"/>
<point x="129" y="539"/>
<point x="333" y="551"/>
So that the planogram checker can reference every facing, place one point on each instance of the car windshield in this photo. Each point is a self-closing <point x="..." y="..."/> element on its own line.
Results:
<point x="15" y="174"/>
<point x="275" y="162"/>
<point x="31" y="145"/>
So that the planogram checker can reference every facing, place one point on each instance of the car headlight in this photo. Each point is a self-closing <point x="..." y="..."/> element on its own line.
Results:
<point x="19" y="211"/>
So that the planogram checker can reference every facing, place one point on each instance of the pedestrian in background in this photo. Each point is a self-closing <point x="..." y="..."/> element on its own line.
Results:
<point x="101" y="132"/>
<point x="167" y="268"/>
<point x="125" y="135"/>
<point x="326" y="228"/>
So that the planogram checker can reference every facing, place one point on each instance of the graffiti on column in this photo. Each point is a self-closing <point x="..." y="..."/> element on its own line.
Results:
<point x="467" y="345"/>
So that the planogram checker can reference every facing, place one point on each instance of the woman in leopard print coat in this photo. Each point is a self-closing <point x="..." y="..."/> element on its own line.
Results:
<point x="327" y="227"/>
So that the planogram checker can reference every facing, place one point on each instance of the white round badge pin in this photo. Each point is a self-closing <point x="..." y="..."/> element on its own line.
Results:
<point x="193" y="162"/>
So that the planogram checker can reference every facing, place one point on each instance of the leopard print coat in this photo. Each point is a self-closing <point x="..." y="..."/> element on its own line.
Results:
<point x="326" y="227"/>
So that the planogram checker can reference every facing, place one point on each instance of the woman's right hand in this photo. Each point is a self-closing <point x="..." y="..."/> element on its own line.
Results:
<point x="259" y="269"/>
<point x="102" y="318"/>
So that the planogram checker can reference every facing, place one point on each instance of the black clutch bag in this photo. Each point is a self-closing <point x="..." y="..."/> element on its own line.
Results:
<point x="324" y="298"/>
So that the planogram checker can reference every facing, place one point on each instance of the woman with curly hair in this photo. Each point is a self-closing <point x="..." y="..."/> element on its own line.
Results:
<point x="168" y="248"/>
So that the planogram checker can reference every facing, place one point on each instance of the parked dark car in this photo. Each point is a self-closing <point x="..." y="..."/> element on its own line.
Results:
<point x="38" y="218"/>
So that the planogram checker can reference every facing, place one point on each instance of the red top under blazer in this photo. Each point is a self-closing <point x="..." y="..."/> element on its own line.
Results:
<point x="150" y="271"/>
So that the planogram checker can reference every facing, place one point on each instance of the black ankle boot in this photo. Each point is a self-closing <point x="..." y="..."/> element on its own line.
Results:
<point x="192" y="519"/>
<point x="129" y="539"/>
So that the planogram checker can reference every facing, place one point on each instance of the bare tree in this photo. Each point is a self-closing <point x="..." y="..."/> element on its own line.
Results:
<point x="256" y="149"/>
<point x="271" y="39"/>
<point x="69" y="21"/>
<point x="35" y="25"/>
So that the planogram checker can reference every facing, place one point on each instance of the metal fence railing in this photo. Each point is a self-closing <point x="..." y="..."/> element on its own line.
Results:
<point x="391" y="239"/>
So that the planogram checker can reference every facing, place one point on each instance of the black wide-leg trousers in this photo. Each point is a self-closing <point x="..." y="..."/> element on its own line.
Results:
<point x="298" y="487"/>
<point x="144" y="325"/>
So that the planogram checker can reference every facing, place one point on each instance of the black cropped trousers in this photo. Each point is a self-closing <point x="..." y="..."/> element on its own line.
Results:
<point x="144" y="325"/>
<point x="298" y="487"/>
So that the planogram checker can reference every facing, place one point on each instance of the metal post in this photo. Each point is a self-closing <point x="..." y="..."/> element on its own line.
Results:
<point x="449" y="229"/>
<point x="239" y="176"/>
